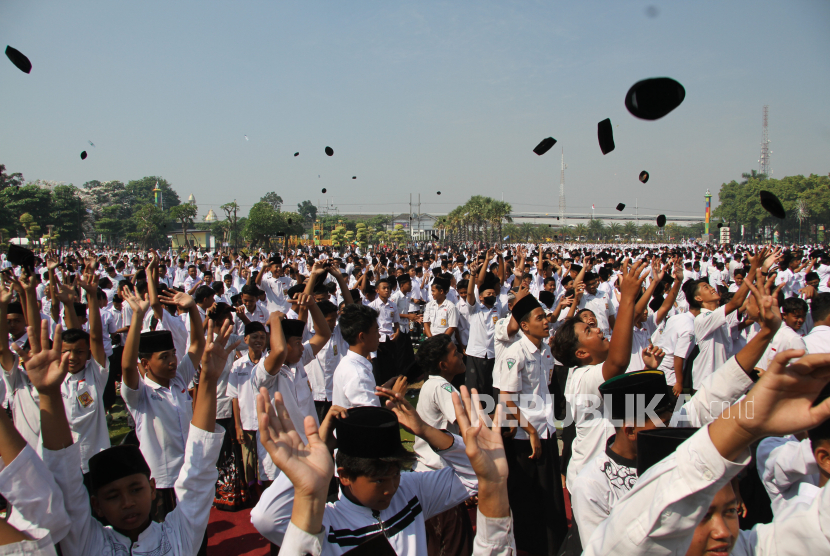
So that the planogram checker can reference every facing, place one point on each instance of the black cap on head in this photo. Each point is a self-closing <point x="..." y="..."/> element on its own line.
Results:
<point x="544" y="146"/>
<point x="651" y="99"/>
<point x="772" y="205"/>
<point x="644" y="176"/>
<point x="369" y="432"/>
<point x="329" y="151"/>
<point x="605" y="134"/>
<point x="294" y="290"/>
<point x="15" y="308"/>
<point x="116" y="463"/>
<point x="546" y="298"/>
<point x="292" y="328"/>
<point x="524" y="306"/>
<point x="254" y="326"/>
<point x="155" y="341"/>
<point x="441" y="282"/>
<point x="491" y="281"/>
<point x="18" y="59"/>
<point x="355" y="295"/>
<point x="621" y="207"/>
<point x="403" y="279"/>
<point x="661" y="220"/>
<point x="83" y="155"/>
<point x="656" y="444"/>
<point x="21" y="256"/>
<point x="649" y="383"/>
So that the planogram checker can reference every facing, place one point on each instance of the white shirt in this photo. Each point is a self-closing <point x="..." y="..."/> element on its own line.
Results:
<point x="714" y="339"/>
<point x="162" y="421"/>
<point x="784" y="465"/>
<point x="275" y="299"/>
<point x="401" y="301"/>
<point x="676" y="340"/>
<point x="786" y="338"/>
<point x="241" y="389"/>
<point x="592" y="430"/>
<point x="387" y="316"/>
<point x="181" y="532"/>
<point x="818" y="340"/>
<point x="82" y="394"/>
<point x="526" y="370"/>
<point x="259" y="315"/>
<point x="354" y="383"/>
<point x="482" y="329"/>
<point x="436" y="409"/>
<point x="441" y="317"/>
<point x="321" y="369"/>
<point x="502" y="341"/>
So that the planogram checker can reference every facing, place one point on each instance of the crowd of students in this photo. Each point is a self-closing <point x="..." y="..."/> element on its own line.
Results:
<point x="662" y="395"/>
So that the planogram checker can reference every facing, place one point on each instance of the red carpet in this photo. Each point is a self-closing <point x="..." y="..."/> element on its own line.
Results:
<point x="231" y="534"/>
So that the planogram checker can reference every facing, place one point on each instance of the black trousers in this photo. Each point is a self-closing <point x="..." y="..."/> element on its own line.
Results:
<point x="114" y="375"/>
<point x="322" y="409"/>
<point x="534" y="488"/>
<point x="479" y="374"/>
<point x="450" y="533"/>
<point x="395" y="358"/>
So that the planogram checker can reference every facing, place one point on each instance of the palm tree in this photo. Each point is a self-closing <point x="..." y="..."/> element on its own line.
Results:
<point x="615" y="229"/>
<point x="630" y="230"/>
<point x="648" y="231"/>
<point x="499" y="212"/>
<point x="565" y="232"/>
<point x="581" y="231"/>
<point x="596" y="228"/>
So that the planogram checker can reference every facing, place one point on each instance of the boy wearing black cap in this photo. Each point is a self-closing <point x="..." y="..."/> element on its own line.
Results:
<point x="158" y="398"/>
<point x="243" y="397"/>
<point x="283" y="369"/>
<point x="534" y="483"/>
<point x="440" y="315"/>
<point x="122" y="484"/>
<point x="378" y="502"/>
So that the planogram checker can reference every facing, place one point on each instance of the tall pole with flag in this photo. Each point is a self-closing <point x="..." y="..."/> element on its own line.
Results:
<point x="708" y="197"/>
<point x="157" y="192"/>
<point x="592" y="211"/>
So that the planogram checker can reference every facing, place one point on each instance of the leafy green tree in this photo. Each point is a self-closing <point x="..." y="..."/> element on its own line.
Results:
<point x="648" y="231"/>
<point x="630" y="230"/>
<point x="147" y="225"/>
<point x="110" y="224"/>
<point x="272" y="199"/>
<point x="139" y="192"/>
<point x="752" y="175"/>
<point x="9" y="180"/>
<point x="307" y="210"/>
<point x="581" y="231"/>
<point x="184" y="214"/>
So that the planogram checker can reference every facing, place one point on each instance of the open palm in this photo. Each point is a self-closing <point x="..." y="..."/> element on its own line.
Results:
<point x="308" y="466"/>
<point x="484" y="446"/>
<point x="46" y="368"/>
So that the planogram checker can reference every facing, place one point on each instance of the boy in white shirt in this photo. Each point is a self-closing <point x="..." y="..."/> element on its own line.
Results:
<point x="793" y="313"/>
<point x="440" y="315"/>
<point x="818" y="340"/>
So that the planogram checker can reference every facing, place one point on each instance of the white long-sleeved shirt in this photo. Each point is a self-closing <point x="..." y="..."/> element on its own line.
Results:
<point x="182" y="530"/>
<point x="785" y="465"/>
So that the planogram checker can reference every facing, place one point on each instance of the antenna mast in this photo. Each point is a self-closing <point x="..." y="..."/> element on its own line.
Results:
<point x="562" y="190"/>
<point x="765" y="162"/>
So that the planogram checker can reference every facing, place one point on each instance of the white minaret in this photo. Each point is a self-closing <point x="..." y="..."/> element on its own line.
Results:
<point x="562" y="190"/>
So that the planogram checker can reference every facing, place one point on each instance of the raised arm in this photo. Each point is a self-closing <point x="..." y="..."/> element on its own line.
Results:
<point x="341" y="282"/>
<point x="760" y="260"/>
<point x="6" y="355"/>
<point x="89" y="283"/>
<point x="129" y="358"/>
<point x="276" y="357"/>
<point x="619" y="352"/>
<point x="471" y="291"/>
<point x="656" y="277"/>
<point x="197" y="331"/>
<point x="152" y="285"/>
<point x="322" y="333"/>
<point x="672" y="296"/>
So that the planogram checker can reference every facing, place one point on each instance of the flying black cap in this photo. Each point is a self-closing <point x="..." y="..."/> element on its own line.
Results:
<point x="329" y="151"/>
<point x="606" y="136"/>
<point x="644" y="176"/>
<point x="83" y="155"/>
<point x="621" y="207"/>
<point x="772" y="205"/>
<point x="439" y="192"/>
<point x="651" y="99"/>
<point x="18" y="59"/>
<point x="324" y="190"/>
<point x="296" y="154"/>
<point x="661" y="220"/>
<point x="544" y="146"/>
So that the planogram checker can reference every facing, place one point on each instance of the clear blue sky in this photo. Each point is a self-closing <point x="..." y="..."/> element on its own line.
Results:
<point x="414" y="97"/>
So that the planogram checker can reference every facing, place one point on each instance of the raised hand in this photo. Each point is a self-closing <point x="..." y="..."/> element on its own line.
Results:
<point x="309" y="466"/>
<point x="89" y="281"/>
<point x="484" y="446"/>
<point x="632" y="278"/>
<point x="782" y="399"/>
<point x="763" y="307"/>
<point x="401" y="385"/>
<point x="217" y="350"/>
<point x="138" y="303"/>
<point x="52" y="261"/>
<point x="181" y="300"/>
<point x="408" y="418"/>
<point x="5" y="294"/>
<point x="47" y="367"/>
<point x="66" y="295"/>
<point x="652" y="357"/>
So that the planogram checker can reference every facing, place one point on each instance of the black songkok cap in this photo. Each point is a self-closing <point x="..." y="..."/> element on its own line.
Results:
<point x="524" y="306"/>
<point x="441" y="282"/>
<point x="370" y="432"/>
<point x="651" y="99"/>
<point x="605" y="134"/>
<point x="292" y="328"/>
<point x="649" y="383"/>
<point x="116" y="463"/>
<point x="770" y="203"/>
<point x="15" y="308"/>
<point x="657" y="444"/>
<point x="546" y="298"/>
<point x="403" y="279"/>
<point x="155" y="341"/>
<point x="544" y="146"/>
